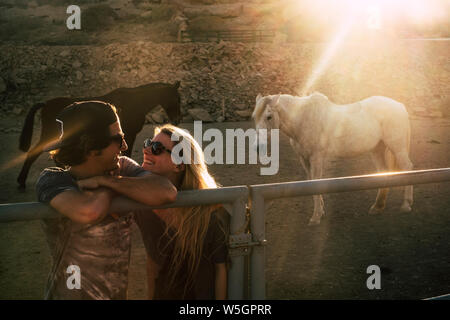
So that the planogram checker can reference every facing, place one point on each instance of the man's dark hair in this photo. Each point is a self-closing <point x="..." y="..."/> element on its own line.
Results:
<point x="84" y="128"/>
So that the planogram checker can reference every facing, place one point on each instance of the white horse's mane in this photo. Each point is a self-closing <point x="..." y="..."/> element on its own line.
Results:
<point x="318" y="94"/>
<point x="259" y="108"/>
<point x="315" y="97"/>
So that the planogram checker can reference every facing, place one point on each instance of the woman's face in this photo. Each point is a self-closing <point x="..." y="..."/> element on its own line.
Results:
<point x="162" y="163"/>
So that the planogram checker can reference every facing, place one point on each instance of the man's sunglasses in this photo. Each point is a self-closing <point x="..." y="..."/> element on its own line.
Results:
<point x="119" y="138"/>
<point x="156" y="147"/>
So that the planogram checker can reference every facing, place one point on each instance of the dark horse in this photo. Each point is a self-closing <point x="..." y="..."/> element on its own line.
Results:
<point x="132" y="105"/>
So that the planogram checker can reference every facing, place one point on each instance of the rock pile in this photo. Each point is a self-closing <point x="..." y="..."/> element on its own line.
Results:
<point x="223" y="79"/>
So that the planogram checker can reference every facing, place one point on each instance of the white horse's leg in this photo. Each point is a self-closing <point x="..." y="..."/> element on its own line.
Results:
<point x="378" y="157"/>
<point x="313" y="171"/>
<point x="316" y="170"/>
<point x="405" y="164"/>
<point x="304" y="162"/>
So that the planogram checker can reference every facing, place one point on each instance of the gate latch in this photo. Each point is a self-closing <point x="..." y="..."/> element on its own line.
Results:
<point x="240" y="243"/>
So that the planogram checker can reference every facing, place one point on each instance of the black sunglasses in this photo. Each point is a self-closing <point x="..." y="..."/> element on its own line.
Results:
<point x="119" y="138"/>
<point x="156" y="147"/>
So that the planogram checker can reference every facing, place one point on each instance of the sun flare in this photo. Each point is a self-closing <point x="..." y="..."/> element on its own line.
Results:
<point x="372" y="13"/>
<point x="363" y="21"/>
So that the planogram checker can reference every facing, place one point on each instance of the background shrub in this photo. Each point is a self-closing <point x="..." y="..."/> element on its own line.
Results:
<point x="22" y="28"/>
<point x="97" y="17"/>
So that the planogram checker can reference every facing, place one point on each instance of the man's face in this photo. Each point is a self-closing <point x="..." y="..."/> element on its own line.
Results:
<point x="108" y="159"/>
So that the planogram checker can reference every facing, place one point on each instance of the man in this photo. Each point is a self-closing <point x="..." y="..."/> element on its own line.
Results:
<point x="87" y="237"/>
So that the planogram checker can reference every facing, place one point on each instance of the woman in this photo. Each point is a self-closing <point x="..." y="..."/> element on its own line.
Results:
<point x="186" y="247"/>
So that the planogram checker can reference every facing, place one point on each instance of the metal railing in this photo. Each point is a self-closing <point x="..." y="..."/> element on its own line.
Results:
<point x="233" y="198"/>
<point x="259" y="194"/>
<point x="237" y="200"/>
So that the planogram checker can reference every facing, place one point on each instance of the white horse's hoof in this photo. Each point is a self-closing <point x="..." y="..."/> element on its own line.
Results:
<point x="313" y="222"/>
<point x="405" y="208"/>
<point x="375" y="210"/>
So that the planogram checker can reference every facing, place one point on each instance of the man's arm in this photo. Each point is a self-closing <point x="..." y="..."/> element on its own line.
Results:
<point x="85" y="207"/>
<point x="151" y="189"/>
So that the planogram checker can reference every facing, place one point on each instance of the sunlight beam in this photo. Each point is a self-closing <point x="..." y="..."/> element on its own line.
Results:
<point x="328" y="55"/>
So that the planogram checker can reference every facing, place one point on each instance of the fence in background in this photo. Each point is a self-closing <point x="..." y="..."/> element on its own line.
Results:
<point x="228" y="35"/>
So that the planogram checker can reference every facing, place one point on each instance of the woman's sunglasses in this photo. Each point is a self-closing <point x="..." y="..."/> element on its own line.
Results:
<point x="156" y="147"/>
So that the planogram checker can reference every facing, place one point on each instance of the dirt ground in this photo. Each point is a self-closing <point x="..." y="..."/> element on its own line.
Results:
<point x="328" y="261"/>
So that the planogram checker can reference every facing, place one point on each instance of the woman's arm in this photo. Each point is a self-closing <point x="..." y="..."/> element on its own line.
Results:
<point x="221" y="281"/>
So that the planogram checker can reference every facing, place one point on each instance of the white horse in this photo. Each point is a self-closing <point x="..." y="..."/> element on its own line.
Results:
<point x="319" y="130"/>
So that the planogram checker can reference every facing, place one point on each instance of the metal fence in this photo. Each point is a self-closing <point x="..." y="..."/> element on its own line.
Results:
<point x="259" y="195"/>
<point x="233" y="198"/>
<point x="228" y="35"/>
<point x="240" y="201"/>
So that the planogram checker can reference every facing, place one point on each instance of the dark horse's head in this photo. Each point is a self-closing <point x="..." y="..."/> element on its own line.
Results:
<point x="173" y="104"/>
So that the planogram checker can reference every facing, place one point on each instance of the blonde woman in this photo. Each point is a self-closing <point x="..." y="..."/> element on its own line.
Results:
<point x="186" y="247"/>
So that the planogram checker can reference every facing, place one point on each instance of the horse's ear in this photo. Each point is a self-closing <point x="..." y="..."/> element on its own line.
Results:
<point x="259" y="96"/>
<point x="177" y="84"/>
<point x="277" y="99"/>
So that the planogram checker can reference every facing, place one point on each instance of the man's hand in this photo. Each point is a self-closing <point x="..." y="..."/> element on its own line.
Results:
<point x="89" y="183"/>
<point x="86" y="207"/>
<point x="95" y="183"/>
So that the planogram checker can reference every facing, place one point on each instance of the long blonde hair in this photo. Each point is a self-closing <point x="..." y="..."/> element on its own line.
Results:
<point x="190" y="224"/>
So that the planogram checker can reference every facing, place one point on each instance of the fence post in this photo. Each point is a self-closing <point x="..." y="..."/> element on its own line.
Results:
<point x="237" y="279"/>
<point x="258" y="254"/>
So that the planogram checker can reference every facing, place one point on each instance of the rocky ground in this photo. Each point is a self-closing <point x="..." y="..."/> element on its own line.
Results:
<point x="224" y="78"/>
